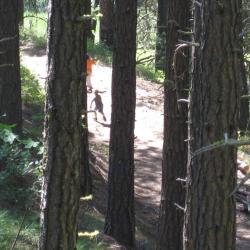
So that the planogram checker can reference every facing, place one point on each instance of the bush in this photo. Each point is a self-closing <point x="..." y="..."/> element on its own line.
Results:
<point x="32" y="92"/>
<point x="20" y="168"/>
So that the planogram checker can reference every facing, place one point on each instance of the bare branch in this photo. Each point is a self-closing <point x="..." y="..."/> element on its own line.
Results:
<point x="6" y="39"/>
<point x="6" y="65"/>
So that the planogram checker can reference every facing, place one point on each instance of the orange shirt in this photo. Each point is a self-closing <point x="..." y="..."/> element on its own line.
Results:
<point x="90" y="63"/>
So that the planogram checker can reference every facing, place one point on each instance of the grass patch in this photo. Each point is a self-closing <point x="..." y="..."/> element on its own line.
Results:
<point x="10" y="222"/>
<point x="9" y="225"/>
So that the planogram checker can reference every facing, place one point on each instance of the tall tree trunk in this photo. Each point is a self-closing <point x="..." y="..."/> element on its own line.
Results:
<point x="175" y="129"/>
<point x="63" y="126"/>
<point x="120" y="221"/>
<point x="244" y="101"/>
<point x="10" y="81"/>
<point x="20" y="11"/>
<point x="160" y="54"/>
<point x="86" y="179"/>
<point x="210" y="210"/>
<point x="106" y="29"/>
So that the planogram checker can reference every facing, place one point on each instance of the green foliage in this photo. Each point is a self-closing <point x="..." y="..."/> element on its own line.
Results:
<point x="10" y="221"/>
<point x="35" y="6"/>
<point x="20" y="169"/>
<point x="34" y="29"/>
<point x="9" y="225"/>
<point x="100" y="52"/>
<point x="149" y="73"/>
<point x="32" y="93"/>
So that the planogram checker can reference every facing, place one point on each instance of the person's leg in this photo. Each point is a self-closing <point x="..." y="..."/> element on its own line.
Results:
<point x="103" y="116"/>
<point x="95" y="115"/>
<point x="89" y="83"/>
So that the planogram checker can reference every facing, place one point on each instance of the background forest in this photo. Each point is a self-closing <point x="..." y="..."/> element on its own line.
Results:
<point x="168" y="167"/>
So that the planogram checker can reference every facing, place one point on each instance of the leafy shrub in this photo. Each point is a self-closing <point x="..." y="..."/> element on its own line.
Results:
<point x="34" y="29"/>
<point x="32" y="92"/>
<point x="20" y="164"/>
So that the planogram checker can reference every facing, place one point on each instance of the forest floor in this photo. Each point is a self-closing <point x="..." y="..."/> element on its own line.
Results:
<point x="148" y="148"/>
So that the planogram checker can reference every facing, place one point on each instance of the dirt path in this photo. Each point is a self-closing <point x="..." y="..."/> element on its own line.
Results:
<point x="148" y="143"/>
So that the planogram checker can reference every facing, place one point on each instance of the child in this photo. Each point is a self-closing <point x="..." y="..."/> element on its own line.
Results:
<point x="98" y="105"/>
<point x="90" y="63"/>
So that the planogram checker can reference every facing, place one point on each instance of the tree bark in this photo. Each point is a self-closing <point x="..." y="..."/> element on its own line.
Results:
<point x="86" y="178"/>
<point x="160" y="54"/>
<point x="106" y="28"/>
<point x="210" y="209"/>
<point x="244" y="101"/>
<point x="63" y="127"/>
<point x="175" y="129"/>
<point x="10" y="81"/>
<point x="120" y="221"/>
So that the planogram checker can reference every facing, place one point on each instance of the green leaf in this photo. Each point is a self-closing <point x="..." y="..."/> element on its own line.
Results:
<point x="8" y="136"/>
<point x="29" y="143"/>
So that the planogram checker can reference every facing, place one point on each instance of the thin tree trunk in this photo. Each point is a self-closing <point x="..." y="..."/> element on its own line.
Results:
<point x="63" y="127"/>
<point x="175" y="129"/>
<point x="210" y="210"/>
<point x="10" y="81"/>
<point x="120" y="221"/>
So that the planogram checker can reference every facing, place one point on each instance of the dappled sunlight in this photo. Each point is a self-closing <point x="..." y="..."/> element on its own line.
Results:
<point x="90" y="235"/>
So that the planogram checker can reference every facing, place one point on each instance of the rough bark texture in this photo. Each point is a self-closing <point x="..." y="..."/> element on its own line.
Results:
<point x="120" y="221"/>
<point x="210" y="210"/>
<point x="175" y="129"/>
<point x="160" y="55"/>
<point x="106" y="28"/>
<point x="63" y="127"/>
<point x="244" y="124"/>
<point x="10" y="82"/>
<point x="86" y="179"/>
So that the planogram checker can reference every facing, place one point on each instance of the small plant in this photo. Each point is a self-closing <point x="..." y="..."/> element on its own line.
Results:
<point x="32" y="93"/>
<point x="20" y="168"/>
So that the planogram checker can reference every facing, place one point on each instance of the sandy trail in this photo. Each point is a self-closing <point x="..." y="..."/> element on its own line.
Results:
<point x="148" y="131"/>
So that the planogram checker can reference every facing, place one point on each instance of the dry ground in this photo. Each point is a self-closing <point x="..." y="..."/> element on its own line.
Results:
<point x="148" y="146"/>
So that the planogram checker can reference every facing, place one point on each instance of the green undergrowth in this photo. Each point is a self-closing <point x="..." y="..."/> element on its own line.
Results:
<point x="32" y="92"/>
<point x="102" y="53"/>
<point x="34" y="29"/>
<point x="10" y="222"/>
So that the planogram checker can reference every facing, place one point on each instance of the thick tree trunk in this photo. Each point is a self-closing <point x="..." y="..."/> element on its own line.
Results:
<point x="63" y="127"/>
<point x="20" y="11"/>
<point x="210" y="209"/>
<point x="86" y="179"/>
<point x="120" y="221"/>
<point x="106" y="28"/>
<point x="175" y="129"/>
<point x="10" y="82"/>
<point x="160" y="54"/>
